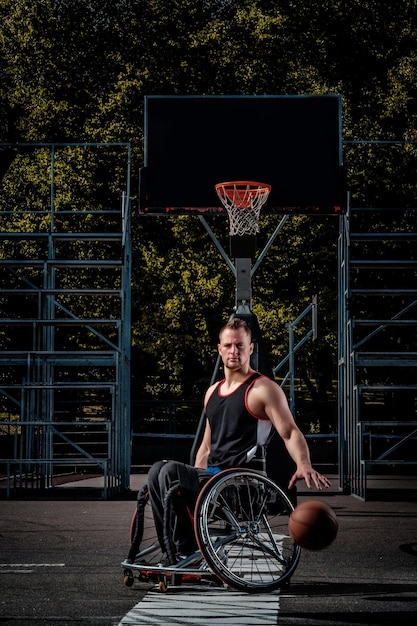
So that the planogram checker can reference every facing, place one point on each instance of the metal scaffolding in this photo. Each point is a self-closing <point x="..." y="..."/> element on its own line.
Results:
<point x="65" y="275"/>
<point x="65" y="318"/>
<point x="377" y="344"/>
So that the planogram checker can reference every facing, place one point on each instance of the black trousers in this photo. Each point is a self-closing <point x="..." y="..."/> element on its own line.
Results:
<point x="164" y="475"/>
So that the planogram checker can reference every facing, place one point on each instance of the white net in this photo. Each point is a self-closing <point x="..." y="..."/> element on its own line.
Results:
<point x="243" y="201"/>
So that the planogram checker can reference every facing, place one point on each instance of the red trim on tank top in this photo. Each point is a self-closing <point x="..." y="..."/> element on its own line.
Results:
<point x="258" y="417"/>
<point x="225" y="395"/>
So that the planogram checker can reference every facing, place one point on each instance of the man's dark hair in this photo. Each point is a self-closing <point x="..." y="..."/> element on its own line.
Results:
<point x="235" y="324"/>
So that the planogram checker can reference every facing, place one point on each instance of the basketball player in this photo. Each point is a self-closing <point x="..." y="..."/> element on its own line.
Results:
<point x="240" y="412"/>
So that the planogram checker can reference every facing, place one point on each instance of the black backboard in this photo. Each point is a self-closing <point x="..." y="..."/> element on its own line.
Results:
<point x="291" y="142"/>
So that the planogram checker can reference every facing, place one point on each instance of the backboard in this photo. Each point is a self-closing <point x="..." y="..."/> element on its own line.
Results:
<point x="292" y="143"/>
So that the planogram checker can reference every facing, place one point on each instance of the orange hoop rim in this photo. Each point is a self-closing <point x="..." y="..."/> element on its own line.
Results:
<point x="240" y="188"/>
<point x="247" y="183"/>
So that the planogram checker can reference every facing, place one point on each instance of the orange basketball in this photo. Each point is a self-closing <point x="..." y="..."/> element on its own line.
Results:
<point x="313" y="525"/>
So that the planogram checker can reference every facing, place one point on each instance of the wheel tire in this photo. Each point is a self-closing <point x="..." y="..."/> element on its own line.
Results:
<point x="241" y="526"/>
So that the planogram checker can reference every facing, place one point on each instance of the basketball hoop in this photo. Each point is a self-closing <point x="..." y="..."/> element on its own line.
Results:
<point x="243" y="200"/>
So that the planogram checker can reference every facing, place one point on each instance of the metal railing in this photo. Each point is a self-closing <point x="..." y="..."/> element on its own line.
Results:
<point x="294" y="346"/>
<point x="65" y="271"/>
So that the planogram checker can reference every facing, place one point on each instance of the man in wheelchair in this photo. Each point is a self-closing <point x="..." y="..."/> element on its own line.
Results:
<point x="241" y="411"/>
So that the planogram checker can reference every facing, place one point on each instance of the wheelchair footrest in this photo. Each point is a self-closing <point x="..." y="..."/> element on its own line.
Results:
<point x="167" y="570"/>
<point x="169" y="576"/>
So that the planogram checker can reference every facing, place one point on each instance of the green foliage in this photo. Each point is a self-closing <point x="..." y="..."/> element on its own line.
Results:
<point x="183" y="298"/>
<point x="78" y="71"/>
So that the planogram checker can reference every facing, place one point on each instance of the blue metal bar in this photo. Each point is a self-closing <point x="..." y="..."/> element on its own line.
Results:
<point x="271" y="240"/>
<point x="218" y="245"/>
<point x="294" y="347"/>
<point x="36" y="394"/>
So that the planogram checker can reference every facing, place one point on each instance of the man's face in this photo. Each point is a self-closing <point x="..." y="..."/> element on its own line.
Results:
<point x="235" y="348"/>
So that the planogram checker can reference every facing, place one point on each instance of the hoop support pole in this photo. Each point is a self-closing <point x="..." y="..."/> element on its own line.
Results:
<point x="243" y="285"/>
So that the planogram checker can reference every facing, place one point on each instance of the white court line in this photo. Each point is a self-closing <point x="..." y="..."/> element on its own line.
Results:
<point x="204" y="607"/>
<point x="25" y="568"/>
<point x="32" y="564"/>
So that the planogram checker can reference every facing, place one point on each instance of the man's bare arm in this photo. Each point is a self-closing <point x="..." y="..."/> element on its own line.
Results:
<point x="201" y="459"/>
<point x="270" y="400"/>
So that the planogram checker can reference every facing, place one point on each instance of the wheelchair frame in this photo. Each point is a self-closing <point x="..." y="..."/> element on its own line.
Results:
<point x="241" y="529"/>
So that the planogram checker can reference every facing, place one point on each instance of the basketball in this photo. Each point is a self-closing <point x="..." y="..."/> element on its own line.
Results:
<point x="313" y="525"/>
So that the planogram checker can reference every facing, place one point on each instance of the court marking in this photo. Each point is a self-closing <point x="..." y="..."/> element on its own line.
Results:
<point x="25" y="568"/>
<point x="203" y="607"/>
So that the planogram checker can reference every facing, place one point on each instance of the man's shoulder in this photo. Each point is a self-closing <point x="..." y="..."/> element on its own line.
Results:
<point x="266" y="383"/>
<point x="210" y="391"/>
<point x="264" y="379"/>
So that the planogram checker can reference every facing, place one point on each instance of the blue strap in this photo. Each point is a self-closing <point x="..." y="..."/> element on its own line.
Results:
<point x="213" y="470"/>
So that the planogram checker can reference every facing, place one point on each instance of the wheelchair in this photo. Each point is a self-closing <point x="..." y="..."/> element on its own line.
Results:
<point x="240" y="522"/>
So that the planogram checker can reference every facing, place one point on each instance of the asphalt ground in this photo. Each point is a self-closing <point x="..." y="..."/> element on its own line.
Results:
<point x="60" y="560"/>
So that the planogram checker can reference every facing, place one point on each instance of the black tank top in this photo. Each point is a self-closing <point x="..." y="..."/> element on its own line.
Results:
<point x="235" y="431"/>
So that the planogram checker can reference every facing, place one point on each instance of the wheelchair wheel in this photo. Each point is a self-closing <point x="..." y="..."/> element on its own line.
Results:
<point x="241" y="526"/>
<point x="144" y="545"/>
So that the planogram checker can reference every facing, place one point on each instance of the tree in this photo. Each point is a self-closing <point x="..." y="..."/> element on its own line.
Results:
<point x="78" y="70"/>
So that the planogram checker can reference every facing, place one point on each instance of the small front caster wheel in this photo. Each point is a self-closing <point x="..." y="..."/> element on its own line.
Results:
<point x="128" y="579"/>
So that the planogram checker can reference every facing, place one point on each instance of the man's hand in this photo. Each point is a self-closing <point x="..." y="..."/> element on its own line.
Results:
<point x="310" y="476"/>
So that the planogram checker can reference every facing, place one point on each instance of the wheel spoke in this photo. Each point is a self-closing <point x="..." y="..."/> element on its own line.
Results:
<point x="259" y="555"/>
